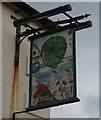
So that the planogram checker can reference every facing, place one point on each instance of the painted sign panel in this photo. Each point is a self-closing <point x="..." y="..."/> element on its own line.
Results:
<point x="53" y="70"/>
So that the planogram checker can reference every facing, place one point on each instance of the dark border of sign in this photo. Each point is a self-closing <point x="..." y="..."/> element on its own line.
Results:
<point x="53" y="103"/>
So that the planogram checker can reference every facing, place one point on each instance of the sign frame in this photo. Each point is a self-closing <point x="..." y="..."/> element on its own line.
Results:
<point x="60" y="102"/>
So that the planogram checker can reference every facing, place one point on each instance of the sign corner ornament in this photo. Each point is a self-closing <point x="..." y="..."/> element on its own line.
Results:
<point x="52" y="70"/>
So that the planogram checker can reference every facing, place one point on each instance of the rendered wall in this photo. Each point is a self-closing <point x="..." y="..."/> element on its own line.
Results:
<point x="8" y="52"/>
<point x="0" y="59"/>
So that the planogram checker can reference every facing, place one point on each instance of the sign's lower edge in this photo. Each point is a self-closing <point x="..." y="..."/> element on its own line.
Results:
<point x="53" y="104"/>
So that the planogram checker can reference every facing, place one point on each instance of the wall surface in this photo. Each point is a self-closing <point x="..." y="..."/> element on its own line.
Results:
<point x="0" y="59"/>
<point x="8" y="52"/>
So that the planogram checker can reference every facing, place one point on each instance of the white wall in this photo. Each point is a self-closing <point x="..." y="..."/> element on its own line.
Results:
<point x="8" y="52"/>
<point x="0" y="60"/>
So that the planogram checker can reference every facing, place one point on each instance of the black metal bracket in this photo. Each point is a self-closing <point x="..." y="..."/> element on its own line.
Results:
<point x="17" y="49"/>
<point x="20" y="36"/>
<point x="20" y="112"/>
<point x="42" y="15"/>
<point x="32" y="30"/>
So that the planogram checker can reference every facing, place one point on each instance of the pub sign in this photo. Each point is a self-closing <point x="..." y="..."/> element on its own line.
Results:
<point x="52" y="70"/>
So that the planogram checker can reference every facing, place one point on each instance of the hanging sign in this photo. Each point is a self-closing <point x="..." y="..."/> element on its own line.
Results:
<point x="52" y="70"/>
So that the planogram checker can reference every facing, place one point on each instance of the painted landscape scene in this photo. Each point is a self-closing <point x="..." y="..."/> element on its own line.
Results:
<point x="52" y="78"/>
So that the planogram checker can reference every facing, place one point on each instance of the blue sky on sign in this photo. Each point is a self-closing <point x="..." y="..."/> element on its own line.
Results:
<point x="87" y="42"/>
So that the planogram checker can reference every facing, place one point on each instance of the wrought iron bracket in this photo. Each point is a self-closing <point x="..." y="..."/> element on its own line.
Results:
<point x="21" y="112"/>
<point x="17" y="47"/>
<point x="29" y="30"/>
